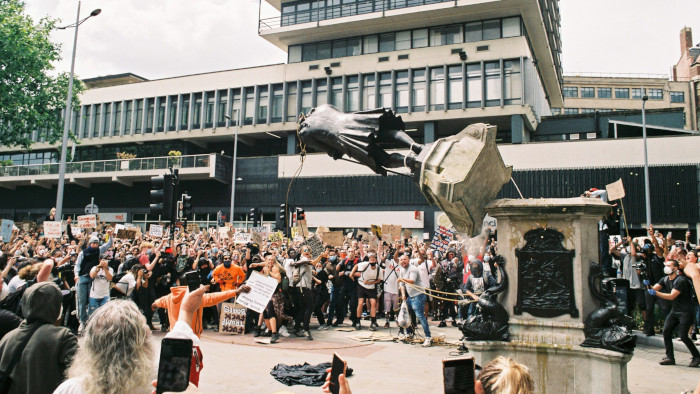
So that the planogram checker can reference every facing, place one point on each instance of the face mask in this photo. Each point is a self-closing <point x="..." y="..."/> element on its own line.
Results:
<point x="372" y="264"/>
<point x="227" y="264"/>
<point x="487" y="258"/>
<point x="236" y="257"/>
<point x="214" y="250"/>
<point x="668" y="270"/>
<point x="333" y="259"/>
<point x="148" y="251"/>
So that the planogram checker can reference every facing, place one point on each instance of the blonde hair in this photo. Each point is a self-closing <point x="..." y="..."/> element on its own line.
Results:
<point x="116" y="355"/>
<point x="506" y="376"/>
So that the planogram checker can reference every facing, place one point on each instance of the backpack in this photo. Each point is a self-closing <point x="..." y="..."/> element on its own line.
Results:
<point x="12" y="301"/>
<point x="284" y="282"/>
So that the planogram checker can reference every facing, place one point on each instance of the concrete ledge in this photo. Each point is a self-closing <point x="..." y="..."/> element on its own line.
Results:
<point x="658" y="341"/>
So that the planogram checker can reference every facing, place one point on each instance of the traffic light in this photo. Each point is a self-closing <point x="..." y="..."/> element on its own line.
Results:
<point x="282" y="218"/>
<point x="162" y="193"/>
<point x="300" y="214"/>
<point x="255" y="216"/>
<point x="186" y="206"/>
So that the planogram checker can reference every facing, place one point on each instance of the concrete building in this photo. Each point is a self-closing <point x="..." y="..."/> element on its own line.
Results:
<point x="440" y="64"/>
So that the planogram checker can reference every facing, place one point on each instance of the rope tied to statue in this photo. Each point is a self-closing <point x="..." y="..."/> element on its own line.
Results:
<point x="426" y="291"/>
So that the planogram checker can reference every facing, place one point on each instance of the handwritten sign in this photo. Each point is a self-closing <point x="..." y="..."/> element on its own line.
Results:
<point x="334" y="238"/>
<point x="276" y="236"/>
<point x="52" y="229"/>
<point x="232" y="319"/>
<point x="223" y="232"/>
<point x="242" y="238"/>
<point x="6" y="229"/>
<point x="75" y="231"/>
<point x="322" y="229"/>
<point x="257" y="238"/>
<point x="192" y="228"/>
<point x="394" y="230"/>
<point x="303" y="229"/>
<point x="155" y="230"/>
<point x="87" y="221"/>
<point x="261" y="290"/>
<point x="377" y="231"/>
<point x="314" y="243"/>
<point x="407" y="234"/>
<point x="615" y="190"/>
<point x="126" y="234"/>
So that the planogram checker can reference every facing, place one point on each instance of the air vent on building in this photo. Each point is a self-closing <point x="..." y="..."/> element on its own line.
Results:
<point x="384" y="59"/>
<point x="403" y="57"/>
<point x="313" y="67"/>
<point x="456" y="50"/>
<point x="481" y="48"/>
<point x="335" y="64"/>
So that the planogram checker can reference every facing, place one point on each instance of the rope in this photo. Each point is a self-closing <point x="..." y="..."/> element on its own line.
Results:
<point x="438" y="291"/>
<point x="441" y="298"/>
<point x="302" y="157"/>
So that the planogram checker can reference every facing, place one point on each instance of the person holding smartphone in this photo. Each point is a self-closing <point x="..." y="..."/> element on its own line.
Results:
<point x="101" y="276"/>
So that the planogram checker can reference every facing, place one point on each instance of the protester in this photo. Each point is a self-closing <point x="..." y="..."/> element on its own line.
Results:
<point x="87" y="259"/>
<point x="367" y="274"/>
<point x="410" y="279"/>
<point x="101" y="276"/>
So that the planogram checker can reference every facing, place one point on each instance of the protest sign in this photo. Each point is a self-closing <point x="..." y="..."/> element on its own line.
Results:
<point x="192" y="228"/>
<point x="52" y="229"/>
<point x="615" y="190"/>
<point x="223" y="232"/>
<point x="76" y="231"/>
<point x="442" y="238"/>
<point x="276" y="236"/>
<point x="261" y="290"/>
<point x="333" y="238"/>
<point x="257" y="238"/>
<point x="314" y="243"/>
<point x="6" y="229"/>
<point x="126" y="233"/>
<point x="407" y="234"/>
<point x="232" y="318"/>
<point x="376" y="230"/>
<point x="322" y="229"/>
<point x="303" y="229"/>
<point x="242" y="238"/>
<point x="26" y="226"/>
<point x="394" y="230"/>
<point x="87" y="221"/>
<point x="155" y="230"/>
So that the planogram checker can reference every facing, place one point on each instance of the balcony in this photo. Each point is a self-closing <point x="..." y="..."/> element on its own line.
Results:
<point x="123" y="171"/>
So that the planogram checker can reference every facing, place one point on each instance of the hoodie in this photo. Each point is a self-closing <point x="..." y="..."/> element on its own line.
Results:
<point x="49" y="352"/>
<point x="172" y="302"/>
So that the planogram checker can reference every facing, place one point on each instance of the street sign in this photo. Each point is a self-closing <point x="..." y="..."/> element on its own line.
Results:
<point x="91" y="209"/>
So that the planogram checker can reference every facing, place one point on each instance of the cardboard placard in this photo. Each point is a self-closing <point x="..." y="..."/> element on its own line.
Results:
<point x="242" y="238"/>
<point x="52" y="229"/>
<point x="376" y="230"/>
<point x="277" y="236"/>
<point x="155" y="230"/>
<point x="87" y="221"/>
<point x="365" y="235"/>
<point x="314" y="243"/>
<point x="232" y="318"/>
<point x="193" y="228"/>
<point x="126" y="233"/>
<point x="394" y="230"/>
<point x="223" y="232"/>
<point x="615" y="190"/>
<point x="442" y="238"/>
<point x="407" y="234"/>
<point x="75" y="231"/>
<point x="261" y="290"/>
<point x="6" y="229"/>
<point x="257" y="238"/>
<point x="333" y="238"/>
<point x="303" y="229"/>
<point x="322" y="229"/>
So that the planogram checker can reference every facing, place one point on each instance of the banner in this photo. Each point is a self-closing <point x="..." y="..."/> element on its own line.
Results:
<point x="261" y="290"/>
<point x="6" y="229"/>
<point x="52" y="229"/>
<point x="87" y="221"/>
<point x="615" y="190"/>
<point x="155" y="230"/>
<point x="442" y="238"/>
<point x="334" y="238"/>
<point x="232" y="318"/>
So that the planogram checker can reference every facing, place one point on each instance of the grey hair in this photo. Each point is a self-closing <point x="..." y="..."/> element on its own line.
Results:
<point x="116" y="355"/>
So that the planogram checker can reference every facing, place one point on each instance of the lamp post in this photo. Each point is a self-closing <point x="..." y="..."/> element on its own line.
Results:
<point x="67" y="116"/>
<point x="235" y="156"/>
<point x="647" y="199"/>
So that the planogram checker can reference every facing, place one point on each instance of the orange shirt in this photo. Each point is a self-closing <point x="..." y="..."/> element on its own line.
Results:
<point x="229" y="278"/>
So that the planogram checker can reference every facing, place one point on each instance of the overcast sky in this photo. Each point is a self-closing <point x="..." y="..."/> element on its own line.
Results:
<point x="166" y="38"/>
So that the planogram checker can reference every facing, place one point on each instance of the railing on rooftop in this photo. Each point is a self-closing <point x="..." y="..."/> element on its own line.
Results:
<point x="616" y="75"/>
<point x="339" y="11"/>
<point x="117" y="165"/>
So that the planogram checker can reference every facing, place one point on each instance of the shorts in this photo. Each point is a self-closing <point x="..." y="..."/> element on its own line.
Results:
<point x="636" y="297"/>
<point x="391" y="302"/>
<point x="366" y="293"/>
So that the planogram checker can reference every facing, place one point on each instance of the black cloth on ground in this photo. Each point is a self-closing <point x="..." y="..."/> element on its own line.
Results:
<point x="306" y="374"/>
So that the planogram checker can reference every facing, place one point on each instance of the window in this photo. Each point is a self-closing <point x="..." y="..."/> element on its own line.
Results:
<point x="420" y="38"/>
<point x="570" y="91"/>
<point x="492" y="29"/>
<point x="321" y="91"/>
<point x="622" y="93"/>
<point x="368" y="92"/>
<point x="277" y="103"/>
<point x="340" y="48"/>
<point x="352" y="94"/>
<point x="185" y="111"/>
<point x="106" y="119"/>
<point x="160" y="118"/>
<point x="236" y="107"/>
<point x="209" y="110"/>
<point x="604" y="93"/>
<point x="556" y="111"/>
<point x="263" y="102"/>
<point x="295" y="54"/>
<point x="401" y="91"/>
<point x="86" y="121"/>
<point x="150" y="113"/>
<point x="221" y="110"/>
<point x="511" y="27"/>
<point x="139" y="116"/>
<point x="403" y="40"/>
<point x="637" y="93"/>
<point x="492" y="72"/>
<point x="117" y="124"/>
<point x="418" y="90"/>
<point x="172" y="113"/>
<point x="656" y="94"/>
<point x="306" y="97"/>
<point x="197" y="111"/>
<point x="473" y="32"/>
<point x="437" y="88"/>
<point x="570" y="111"/>
<point x="446" y="35"/>
<point x="308" y="52"/>
<point x="337" y="92"/>
<point x="323" y="50"/>
<point x="292" y="102"/>
<point x="513" y="81"/>
<point x="303" y="14"/>
<point x="474" y="85"/>
<point x="96" y="121"/>
<point x="387" y="42"/>
<point x="248" y="105"/>
<point x="587" y="92"/>
<point x="128" y="116"/>
<point x="385" y="90"/>
<point x="371" y="44"/>
<point x="354" y="47"/>
<point x="587" y="110"/>
<point x="454" y="74"/>
<point x="677" y="97"/>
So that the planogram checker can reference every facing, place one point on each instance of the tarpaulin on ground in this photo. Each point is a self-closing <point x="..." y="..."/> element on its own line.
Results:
<point x="306" y="374"/>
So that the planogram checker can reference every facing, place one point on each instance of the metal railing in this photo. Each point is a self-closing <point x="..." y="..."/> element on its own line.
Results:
<point x="340" y="11"/>
<point x="117" y="165"/>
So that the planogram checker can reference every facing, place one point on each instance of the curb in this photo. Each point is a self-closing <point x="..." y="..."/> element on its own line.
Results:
<point x="658" y="341"/>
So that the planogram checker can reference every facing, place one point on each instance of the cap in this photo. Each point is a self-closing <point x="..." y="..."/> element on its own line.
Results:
<point x="94" y="239"/>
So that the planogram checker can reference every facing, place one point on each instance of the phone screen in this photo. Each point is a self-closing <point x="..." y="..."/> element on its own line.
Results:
<point x="174" y="364"/>
<point x="458" y="375"/>
<point x="338" y="367"/>
<point x="193" y="280"/>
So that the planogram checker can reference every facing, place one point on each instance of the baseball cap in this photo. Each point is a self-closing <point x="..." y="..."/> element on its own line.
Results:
<point x="94" y="239"/>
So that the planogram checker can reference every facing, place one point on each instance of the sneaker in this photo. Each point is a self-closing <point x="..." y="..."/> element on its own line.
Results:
<point x="256" y="332"/>
<point x="442" y="324"/>
<point x="274" y="338"/>
<point x="283" y="331"/>
<point x="335" y="324"/>
<point x="373" y="327"/>
<point x="81" y="327"/>
<point x="298" y="332"/>
<point x="307" y="334"/>
<point x="323" y="327"/>
<point x="454" y="323"/>
<point x="428" y="342"/>
<point x="357" y="326"/>
<point x="694" y="362"/>
<point x="667" y="361"/>
<point x="386" y="325"/>
<point x="649" y="333"/>
<point x="402" y="337"/>
<point x="267" y="333"/>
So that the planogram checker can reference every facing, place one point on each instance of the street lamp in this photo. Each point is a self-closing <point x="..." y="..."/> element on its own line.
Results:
<point x="69" y="112"/>
<point x="646" y="161"/>
<point x="235" y="156"/>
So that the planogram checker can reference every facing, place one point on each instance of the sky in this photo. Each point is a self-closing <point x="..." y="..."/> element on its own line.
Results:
<point x="166" y="38"/>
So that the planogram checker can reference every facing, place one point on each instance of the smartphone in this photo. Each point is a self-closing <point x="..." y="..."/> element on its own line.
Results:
<point x="338" y="367"/>
<point x="405" y="241"/>
<point x="174" y="365"/>
<point x="458" y="375"/>
<point x="193" y="280"/>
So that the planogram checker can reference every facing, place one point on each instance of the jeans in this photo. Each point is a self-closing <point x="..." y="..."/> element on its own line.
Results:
<point x="682" y="320"/>
<point x="96" y="303"/>
<point x="417" y="304"/>
<point x="333" y="305"/>
<point x="83" y="294"/>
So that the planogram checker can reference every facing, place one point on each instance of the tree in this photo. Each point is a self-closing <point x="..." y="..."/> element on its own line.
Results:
<point x="31" y="99"/>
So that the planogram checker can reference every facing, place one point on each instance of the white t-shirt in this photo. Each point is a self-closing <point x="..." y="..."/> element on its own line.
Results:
<point x="423" y="270"/>
<point x="4" y="292"/>
<point x="100" y="285"/>
<point x="15" y="283"/>
<point x="127" y="283"/>
<point x="288" y="268"/>
<point x="367" y="274"/>
<point x="391" y="277"/>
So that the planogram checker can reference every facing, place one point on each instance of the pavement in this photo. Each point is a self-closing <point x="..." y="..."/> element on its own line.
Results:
<point x="236" y="363"/>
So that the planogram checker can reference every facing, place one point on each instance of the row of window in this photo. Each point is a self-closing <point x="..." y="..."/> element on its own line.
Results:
<point x="407" y="39"/>
<point x="620" y="93"/>
<point x="574" y="111"/>
<point x="458" y="86"/>
<point x="31" y="158"/>
<point x="315" y="10"/>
